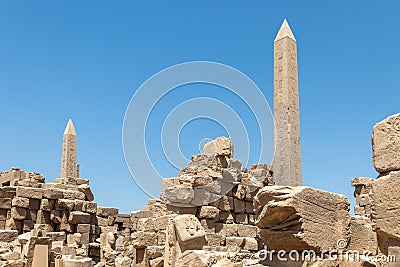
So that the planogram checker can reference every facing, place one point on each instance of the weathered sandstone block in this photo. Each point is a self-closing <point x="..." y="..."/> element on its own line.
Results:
<point x="142" y="239"/>
<point x="52" y="193"/>
<point x="8" y="235"/>
<point x="29" y="192"/>
<point x="20" y="202"/>
<point x="105" y="212"/>
<point x="386" y="204"/>
<point x="363" y="238"/>
<point x="208" y="212"/>
<point x="386" y="144"/>
<point x="222" y="146"/>
<point x="18" y="213"/>
<point x="190" y="234"/>
<point x="77" y="217"/>
<point x="84" y="188"/>
<point x="67" y="204"/>
<point x="200" y="258"/>
<point x="5" y="203"/>
<point x="301" y="217"/>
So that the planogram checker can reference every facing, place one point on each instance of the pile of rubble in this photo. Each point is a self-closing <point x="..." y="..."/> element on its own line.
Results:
<point x="214" y="213"/>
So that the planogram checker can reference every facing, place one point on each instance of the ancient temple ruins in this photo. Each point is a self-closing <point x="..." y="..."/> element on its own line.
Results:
<point x="215" y="212"/>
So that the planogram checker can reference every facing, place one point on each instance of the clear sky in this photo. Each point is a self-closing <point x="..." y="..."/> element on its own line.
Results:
<point x="85" y="59"/>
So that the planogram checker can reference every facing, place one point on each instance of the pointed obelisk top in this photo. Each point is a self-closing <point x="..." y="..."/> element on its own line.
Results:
<point x="284" y="31"/>
<point x="70" y="129"/>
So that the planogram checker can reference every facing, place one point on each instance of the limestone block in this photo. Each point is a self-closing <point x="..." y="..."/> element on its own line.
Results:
<point x="20" y="202"/>
<point x="189" y="231"/>
<point x="233" y="243"/>
<point x="247" y="230"/>
<point x="52" y="193"/>
<point x="5" y="203"/>
<point x="8" y="192"/>
<point x="102" y="221"/>
<point x="362" y="236"/>
<point x="158" y="262"/>
<point x="84" y="230"/>
<point x="8" y="235"/>
<point x="228" y="230"/>
<point x="69" y="194"/>
<point x="12" y="224"/>
<point x="90" y="207"/>
<point x="18" y="213"/>
<point x="201" y="197"/>
<point x="227" y="217"/>
<point x="29" y="192"/>
<point x="201" y="258"/>
<point x="385" y="201"/>
<point x="225" y="203"/>
<point x="65" y="204"/>
<point x="142" y="239"/>
<point x="161" y="222"/>
<point x="141" y="214"/>
<point x="57" y="236"/>
<point x="250" y="243"/>
<point x="43" y="217"/>
<point x="182" y="210"/>
<point x="123" y="262"/>
<point x="215" y="240"/>
<point x="221" y="146"/>
<point x="301" y="217"/>
<point x="234" y="164"/>
<point x="386" y="144"/>
<point x="84" y="188"/>
<point x="55" y="216"/>
<point x="85" y="262"/>
<point x="161" y="237"/>
<point x="47" y="204"/>
<point x="176" y="194"/>
<point x="145" y="224"/>
<point x="44" y="228"/>
<point x="208" y="212"/>
<point x="78" y="217"/>
<point x="153" y="252"/>
<point x="231" y="175"/>
<point x="105" y="212"/>
<point x="78" y="204"/>
<point x="11" y="257"/>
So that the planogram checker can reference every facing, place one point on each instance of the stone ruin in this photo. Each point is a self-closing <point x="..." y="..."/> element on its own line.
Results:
<point x="214" y="213"/>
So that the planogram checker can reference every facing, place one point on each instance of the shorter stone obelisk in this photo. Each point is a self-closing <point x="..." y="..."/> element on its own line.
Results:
<point x="69" y="168"/>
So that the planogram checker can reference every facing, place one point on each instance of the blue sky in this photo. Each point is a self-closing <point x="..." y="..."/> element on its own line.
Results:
<point x="85" y="59"/>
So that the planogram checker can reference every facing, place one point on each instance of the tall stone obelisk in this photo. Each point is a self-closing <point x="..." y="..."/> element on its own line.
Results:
<point x="287" y="157"/>
<point x="69" y="168"/>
